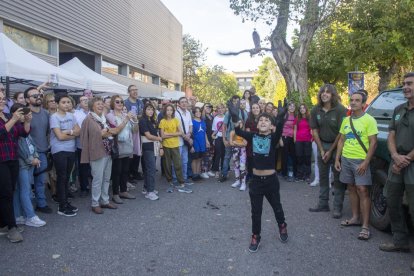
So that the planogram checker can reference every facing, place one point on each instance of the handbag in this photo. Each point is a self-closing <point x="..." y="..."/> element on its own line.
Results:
<point x="357" y="136"/>
<point x="115" y="148"/>
<point x="185" y="141"/>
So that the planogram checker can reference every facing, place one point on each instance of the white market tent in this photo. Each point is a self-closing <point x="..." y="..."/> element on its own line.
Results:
<point x="172" y="95"/>
<point x="94" y="81"/>
<point x="15" y="62"/>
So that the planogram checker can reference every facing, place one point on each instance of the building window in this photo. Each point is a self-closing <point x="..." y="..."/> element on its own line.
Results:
<point x="28" y="40"/>
<point x="109" y="67"/>
<point x="137" y="74"/>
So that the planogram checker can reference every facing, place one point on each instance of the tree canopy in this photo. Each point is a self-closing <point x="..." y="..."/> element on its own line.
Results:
<point x="194" y="56"/>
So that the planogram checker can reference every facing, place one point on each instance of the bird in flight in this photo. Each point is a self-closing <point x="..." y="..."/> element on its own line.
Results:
<point x="257" y="48"/>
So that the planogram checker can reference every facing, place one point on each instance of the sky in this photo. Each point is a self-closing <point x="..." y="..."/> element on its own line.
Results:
<point x="214" y="24"/>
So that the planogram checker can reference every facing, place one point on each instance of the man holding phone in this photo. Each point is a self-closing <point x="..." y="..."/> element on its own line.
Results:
<point x="136" y="106"/>
<point x="39" y="131"/>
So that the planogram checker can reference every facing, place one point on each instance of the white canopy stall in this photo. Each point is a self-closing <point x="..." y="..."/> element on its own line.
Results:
<point x="94" y="81"/>
<point x="15" y="62"/>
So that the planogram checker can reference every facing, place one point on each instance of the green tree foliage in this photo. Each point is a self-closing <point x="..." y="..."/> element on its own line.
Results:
<point x="266" y="79"/>
<point x="194" y="56"/>
<point x="214" y="85"/>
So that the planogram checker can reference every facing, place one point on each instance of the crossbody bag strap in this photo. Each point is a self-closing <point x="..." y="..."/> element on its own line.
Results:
<point x="357" y="136"/>
<point x="182" y="121"/>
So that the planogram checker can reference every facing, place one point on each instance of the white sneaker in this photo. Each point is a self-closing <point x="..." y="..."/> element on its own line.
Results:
<point x="236" y="184"/>
<point x="130" y="186"/>
<point x="204" y="175"/>
<point x="243" y="187"/>
<point x="20" y="220"/>
<point x="35" y="222"/>
<point x="210" y="173"/>
<point x="151" y="196"/>
<point x="314" y="183"/>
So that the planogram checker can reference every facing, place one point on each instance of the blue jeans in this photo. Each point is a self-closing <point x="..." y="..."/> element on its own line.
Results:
<point x="184" y="162"/>
<point x="149" y="171"/>
<point x="22" y="204"/>
<point x="226" y="163"/>
<point x="39" y="181"/>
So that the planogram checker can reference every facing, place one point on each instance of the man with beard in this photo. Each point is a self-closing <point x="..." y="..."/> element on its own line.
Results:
<point x="39" y="132"/>
<point x="401" y="172"/>
<point x="326" y="120"/>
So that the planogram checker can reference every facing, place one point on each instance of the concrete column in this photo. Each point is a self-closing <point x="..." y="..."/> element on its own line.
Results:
<point x="54" y="49"/>
<point x="98" y="63"/>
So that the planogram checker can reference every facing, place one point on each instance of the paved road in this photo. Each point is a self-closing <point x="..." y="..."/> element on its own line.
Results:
<point x="204" y="233"/>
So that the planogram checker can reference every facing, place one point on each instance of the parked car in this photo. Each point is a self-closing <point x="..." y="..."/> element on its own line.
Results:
<point x="382" y="108"/>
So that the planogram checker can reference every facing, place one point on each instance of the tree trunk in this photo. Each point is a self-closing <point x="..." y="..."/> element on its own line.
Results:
<point x="385" y="74"/>
<point x="293" y="62"/>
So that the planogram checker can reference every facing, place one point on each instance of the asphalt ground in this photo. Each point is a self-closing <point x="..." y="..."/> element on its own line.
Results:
<point x="203" y="233"/>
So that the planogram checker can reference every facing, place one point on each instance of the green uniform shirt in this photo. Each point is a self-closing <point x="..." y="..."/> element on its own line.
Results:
<point x="365" y="126"/>
<point x="402" y="122"/>
<point x="328" y="123"/>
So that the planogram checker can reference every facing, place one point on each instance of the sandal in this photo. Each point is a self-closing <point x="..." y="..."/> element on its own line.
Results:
<point x="349" y="222"/>
<point x="364" y="234"/>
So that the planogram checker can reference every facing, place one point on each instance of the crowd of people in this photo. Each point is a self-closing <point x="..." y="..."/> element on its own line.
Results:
<point x="97" y="143"/>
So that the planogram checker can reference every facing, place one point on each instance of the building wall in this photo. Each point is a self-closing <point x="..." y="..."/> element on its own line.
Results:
<point x="140" y="33"/>
<point x="244" y="79"/>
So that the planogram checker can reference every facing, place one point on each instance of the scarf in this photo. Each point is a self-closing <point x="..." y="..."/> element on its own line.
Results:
<point x="101" y="120"/>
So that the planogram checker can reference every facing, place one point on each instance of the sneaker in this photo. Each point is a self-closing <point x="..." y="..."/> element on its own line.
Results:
<point x="391" y="247"/>
<point x="151" y="196"/>
<point x="236" y="184"/>
<point x="4" y="231"/>
<point x="170" y="189"/>
<point x="204" y="175"/>
<point x="71" y="207"/>
<point x="130" y="186"/>
<point x="217" y="175"/>
<point x="254" y="244"/>
<point x="66" y="212"/>
<point x="283" y="235"/>
<point x="45" y="210"/>
<point x="20" y="220"/>
<point x="144" y="191"/>
<point x="319" y="209"/>
<point x="314" y="183"/>
<point x="35" y="222"/>
<point x="210" y="173"/>
<point x="72" y="188"/>
<point x="126" y="195"/>
<point x="14" y="235"/>
<point x="243" y="187"/>
<point x="188" y="182"/>
<point x="184" y="189"/>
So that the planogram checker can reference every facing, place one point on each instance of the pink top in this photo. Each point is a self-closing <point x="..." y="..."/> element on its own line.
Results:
<point x="303" y="131"/>
<point x="288" y="126"/>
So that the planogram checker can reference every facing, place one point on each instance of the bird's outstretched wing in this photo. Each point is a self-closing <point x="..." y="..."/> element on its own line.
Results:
<point x="234" y="53"/>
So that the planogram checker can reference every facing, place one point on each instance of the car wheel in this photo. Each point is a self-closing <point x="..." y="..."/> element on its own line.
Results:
<point x="379" y="217"/>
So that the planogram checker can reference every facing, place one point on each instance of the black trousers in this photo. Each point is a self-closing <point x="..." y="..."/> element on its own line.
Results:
<point x="63" y="161"/>
<point x="84" y="172"/>
<point x="303" y="158"/>
<point x="288" y="152"/>
<point x="9" y="172"/>
<point x="219" y="152"/>
<point x="133" y="166"/>
<point x="119" y="175"/>
<point x="269" y="188"/>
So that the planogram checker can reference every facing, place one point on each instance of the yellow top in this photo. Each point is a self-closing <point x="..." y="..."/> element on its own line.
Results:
<point x="170" y="126"/>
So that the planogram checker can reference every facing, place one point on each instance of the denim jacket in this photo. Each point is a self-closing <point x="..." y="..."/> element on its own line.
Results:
<point x="25" y="157"/>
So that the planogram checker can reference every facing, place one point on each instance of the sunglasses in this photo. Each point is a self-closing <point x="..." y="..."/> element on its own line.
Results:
<point x="35" y="96"/>
<point x="119" y="102"/>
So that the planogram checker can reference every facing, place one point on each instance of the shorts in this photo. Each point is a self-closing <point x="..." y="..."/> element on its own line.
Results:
<point x="348" y="174"/>
<point x="197" y="155"/>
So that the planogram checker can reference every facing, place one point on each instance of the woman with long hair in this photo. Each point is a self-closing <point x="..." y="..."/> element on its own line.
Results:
<point x="207" y="158"/>
<point x="126" y="124"/>
<point x="200" y="141"/>
<point x="246" y="96"/>
<point x="219" y="149"/>
<point x="18" y="97"/>
<point x="11" y="129"/>
<point x="302" y="135"/>
<point x="288" y="145"/>
<point x="49" y="103"/>
<point x="251" y="126"/>
<point x="151" y="148"/>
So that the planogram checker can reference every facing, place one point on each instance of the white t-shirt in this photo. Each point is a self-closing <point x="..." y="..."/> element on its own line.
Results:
<point x="80" y="115"/>
<point x="64" y="123"/>
<point x="218" y="126"/>
<point x="188" y="121"/>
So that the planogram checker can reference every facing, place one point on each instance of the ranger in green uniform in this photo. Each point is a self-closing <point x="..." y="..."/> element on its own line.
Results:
<point x="401" y="172"/>
<point x="326" y="119"/>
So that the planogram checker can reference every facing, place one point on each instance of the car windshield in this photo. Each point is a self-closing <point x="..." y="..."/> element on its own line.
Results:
<point x="384" y="105"/>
